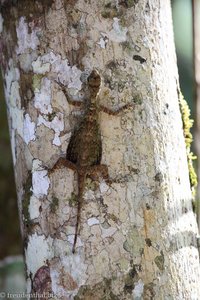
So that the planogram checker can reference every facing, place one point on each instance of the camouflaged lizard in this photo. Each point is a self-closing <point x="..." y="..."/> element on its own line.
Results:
<point x="84" y="150"/>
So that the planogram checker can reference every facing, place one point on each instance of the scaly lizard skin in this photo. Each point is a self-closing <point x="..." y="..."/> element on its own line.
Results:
<point x="84" y="150"/>
<point x="85" y="147"/>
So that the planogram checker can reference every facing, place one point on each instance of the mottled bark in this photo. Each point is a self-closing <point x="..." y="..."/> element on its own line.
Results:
<point x="138" y="233"/>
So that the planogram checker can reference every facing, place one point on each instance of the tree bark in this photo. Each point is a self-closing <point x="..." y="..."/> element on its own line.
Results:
<point x="138" y="232"/>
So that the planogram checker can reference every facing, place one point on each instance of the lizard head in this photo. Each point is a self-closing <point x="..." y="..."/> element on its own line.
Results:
<point x="94" y="82"/>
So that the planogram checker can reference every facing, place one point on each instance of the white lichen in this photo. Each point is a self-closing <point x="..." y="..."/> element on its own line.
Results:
<point x="34" y="207"/>
<point x="51" y="58"/>
<point x="103" y="41"/>
<point x="40" y="180"/>
<point x="103" y="187"/>
<point x="28" y="129"/>
<point x="138" y="290"/>
<point x="17" y="120"/>
<point x="60" y="246"/>
<point x="13" y="99"/>
<point x="57" y="124"/>
<point x="38" y="251"/>
<point x="39" y="67"/>
<point x="14" y="94"/>
<point x="92" y="221"/>
<point x="26" y="59"/>
<point x="75" y="268"/>
<point x="42" y="99"/>
<point x="26" y="40"/>
<point x="11" y="75"/>
<point x="118" y="33"/>
<point x="56" y="286"/>
<point x="67" y="75"/>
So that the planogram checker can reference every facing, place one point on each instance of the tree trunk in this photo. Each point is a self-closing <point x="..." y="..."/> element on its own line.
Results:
<point x="137" y="237"/>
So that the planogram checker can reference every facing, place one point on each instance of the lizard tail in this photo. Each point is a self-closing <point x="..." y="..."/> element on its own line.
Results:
<point x="76" y="234"/>
<point x="81" y="180"/>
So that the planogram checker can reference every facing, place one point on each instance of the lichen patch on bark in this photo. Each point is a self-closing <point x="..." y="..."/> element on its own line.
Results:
<point x="137" y="222"/>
